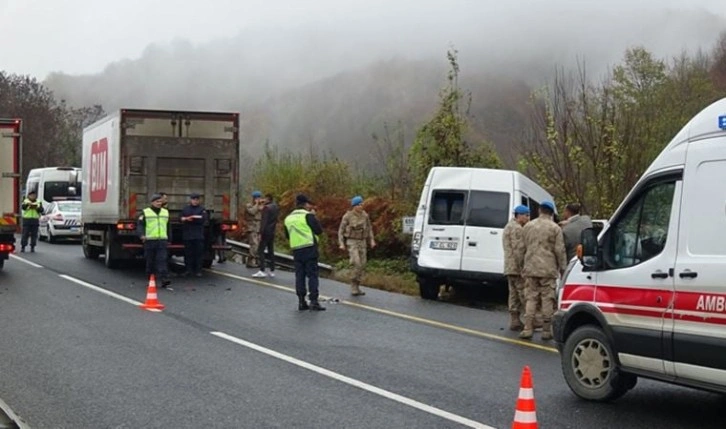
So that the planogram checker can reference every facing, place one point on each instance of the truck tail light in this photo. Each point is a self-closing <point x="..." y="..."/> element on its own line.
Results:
<point x="125" y="226"/>
<point x="229" y="226"/>
<point x="7" y="248"/>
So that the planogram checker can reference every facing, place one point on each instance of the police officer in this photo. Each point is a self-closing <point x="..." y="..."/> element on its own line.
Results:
<point x="193" y="218"/>
<point x="153" y="227"/>
<point x="32" y="209"/>
<point x="511" y="241"/>
<point x="544" y="261"/>
<point x="301" y="228"/>
<point x="354" y="232"/>
<point x="253" y="218"/>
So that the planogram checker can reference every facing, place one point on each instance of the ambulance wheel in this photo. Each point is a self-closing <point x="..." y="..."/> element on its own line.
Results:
<point x="590" y="368"/>
<point x="428" y="288"/>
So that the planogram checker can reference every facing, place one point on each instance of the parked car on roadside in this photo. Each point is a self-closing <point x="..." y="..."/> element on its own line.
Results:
<point x="61" y="220"/>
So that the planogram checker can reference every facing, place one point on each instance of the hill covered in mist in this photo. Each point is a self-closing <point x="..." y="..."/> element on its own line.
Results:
<point x="333" y="86"/>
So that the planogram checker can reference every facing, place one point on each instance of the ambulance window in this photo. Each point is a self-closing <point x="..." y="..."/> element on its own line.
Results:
<point x="640" y="233"/>
<point x="447" y="208"/>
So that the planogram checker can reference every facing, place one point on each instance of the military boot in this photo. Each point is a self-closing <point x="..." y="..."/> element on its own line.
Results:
<point x="546" y="330"/>
<point x="355" y="289"/>
<point x="315" y="306"/>
<point x="515" y="323"/>
<point x="528" y="330"/>
<point x="302" y="304"/>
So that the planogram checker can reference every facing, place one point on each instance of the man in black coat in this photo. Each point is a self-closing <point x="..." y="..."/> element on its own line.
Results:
<point x="268" y="226"/>
<point x="193" y="218"/>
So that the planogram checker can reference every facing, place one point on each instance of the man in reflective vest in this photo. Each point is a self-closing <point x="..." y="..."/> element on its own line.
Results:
<point x="301" y="228"/>
<point x="32" y="209"/>
<point x="153" y="227"/>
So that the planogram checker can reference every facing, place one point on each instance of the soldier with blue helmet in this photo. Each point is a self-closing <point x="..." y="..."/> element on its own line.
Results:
<point x="543" y="253"/>
<point x="355" y="233"/>
<point x="513" y="260"/>
<point x="253" y="218"/>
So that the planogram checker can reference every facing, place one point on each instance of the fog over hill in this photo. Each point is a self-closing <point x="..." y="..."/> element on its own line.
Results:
<point x="334" y="83"/>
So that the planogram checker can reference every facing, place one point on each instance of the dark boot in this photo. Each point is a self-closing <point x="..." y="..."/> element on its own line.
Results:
<point x="546" y="330"/>
<point x="302" y="304"/>
<point x="515" y="324"/>
<point x="315" y="306"/>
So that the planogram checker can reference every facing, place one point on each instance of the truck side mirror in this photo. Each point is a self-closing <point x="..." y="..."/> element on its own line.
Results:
<point x="587" y="251"/>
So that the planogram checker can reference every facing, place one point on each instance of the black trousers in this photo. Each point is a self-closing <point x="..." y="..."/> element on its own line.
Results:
<point x="155" y="253"/>
<point x="193" y="254"/>
<point x="266" y="243"/>
<point x="306" y="267"/>
<point x="30" y="231"/>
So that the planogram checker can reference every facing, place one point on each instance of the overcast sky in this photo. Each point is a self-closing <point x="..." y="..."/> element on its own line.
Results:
<point x="83" y="36"/>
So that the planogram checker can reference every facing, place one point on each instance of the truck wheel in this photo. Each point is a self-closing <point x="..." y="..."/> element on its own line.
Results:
<point x="110" y="255"/>
<point x="429" y="288"/>
<point x="2" y="263"/>
<point x="590" y="368"/>
<point x="90" y="252"/>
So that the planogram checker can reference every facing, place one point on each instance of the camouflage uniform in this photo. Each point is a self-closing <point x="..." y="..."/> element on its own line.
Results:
<point x="544" y="261"/>
<point x="354" y="232"/>
<point x="253" y="218"/>
<point x="512" y="240"/>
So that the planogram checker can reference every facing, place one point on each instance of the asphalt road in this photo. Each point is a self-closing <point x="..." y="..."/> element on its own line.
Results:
<point x="233" y="352"/>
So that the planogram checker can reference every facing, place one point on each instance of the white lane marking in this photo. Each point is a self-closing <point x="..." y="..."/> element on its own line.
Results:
<point x="32" y="264"/>
<point x="19" y="422"/>
<point x="101" y="290"/>
<point x="356" y="383"/>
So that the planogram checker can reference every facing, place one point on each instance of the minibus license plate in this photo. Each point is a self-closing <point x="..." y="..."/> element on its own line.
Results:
<point x="444" y="245"/>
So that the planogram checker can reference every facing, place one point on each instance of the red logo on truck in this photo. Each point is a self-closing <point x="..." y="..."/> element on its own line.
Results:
<point x="99" y="170"/>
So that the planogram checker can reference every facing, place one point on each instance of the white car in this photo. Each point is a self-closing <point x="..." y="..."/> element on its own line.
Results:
<point x="62" y="219"/>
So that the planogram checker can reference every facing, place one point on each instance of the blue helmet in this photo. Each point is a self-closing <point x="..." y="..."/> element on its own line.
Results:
<point x="356" y="201"/>
<point x="256" y="194"/>
<point x="521" y="210"/>
<point x="550" y="205"/>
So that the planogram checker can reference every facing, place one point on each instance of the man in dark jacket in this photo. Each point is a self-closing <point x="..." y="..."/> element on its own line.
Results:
<point x="572" y="228"/>
<point x="193" y="218"/>
<point x="268" y="226"/>
<point x="301" y="228"/>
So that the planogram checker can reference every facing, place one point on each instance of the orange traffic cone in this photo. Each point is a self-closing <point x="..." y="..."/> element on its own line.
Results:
<point x="525" y="416"/>
<point x="152" y="301"/>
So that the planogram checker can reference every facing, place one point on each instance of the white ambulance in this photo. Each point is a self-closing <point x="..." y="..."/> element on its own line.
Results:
<point x="459" y="223"/>
<point x="647" y="298"/>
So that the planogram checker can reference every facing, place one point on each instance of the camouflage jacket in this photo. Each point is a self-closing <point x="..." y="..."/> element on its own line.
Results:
<point x="355" y="226"/>
<point x="253" y="217"/>
<point x="543" y="248"/>
<point x="512" y="241"/>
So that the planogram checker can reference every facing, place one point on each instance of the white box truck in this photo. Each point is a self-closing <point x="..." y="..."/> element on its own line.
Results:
<point x="10" y="175"/>
<point x="133" y="154"/>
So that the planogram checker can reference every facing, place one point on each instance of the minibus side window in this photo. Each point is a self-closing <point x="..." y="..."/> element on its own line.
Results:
<point x="447" y="208"/>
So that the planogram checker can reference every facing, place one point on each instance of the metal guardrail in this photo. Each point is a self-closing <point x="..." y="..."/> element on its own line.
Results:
<point x="281" y="259"/>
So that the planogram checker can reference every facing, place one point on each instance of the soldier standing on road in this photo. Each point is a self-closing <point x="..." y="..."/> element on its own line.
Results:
<point x="512" y="240"/>
<point x="301" y="228"/>
<point x="355" y="232"/>
<point x="193" y="218"/>
<point x="544" y="261"/>
<point x="572" y="228"/>
<point x="268" y="226"/>
<point x="253" y="217"/>
<point x="153" y="227"/>
<point x="32" y="209"/>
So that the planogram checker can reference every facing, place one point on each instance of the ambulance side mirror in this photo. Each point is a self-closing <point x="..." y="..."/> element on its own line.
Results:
<point x="587" y="251"/>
